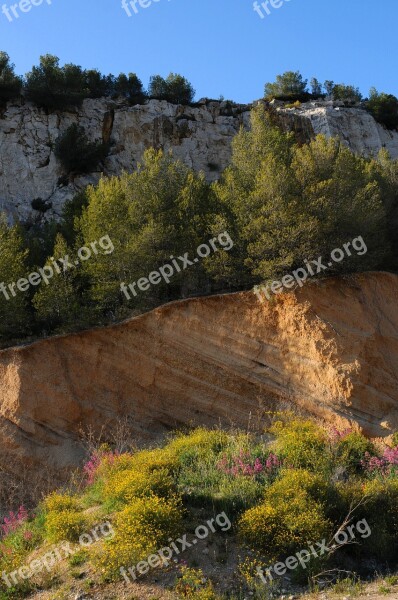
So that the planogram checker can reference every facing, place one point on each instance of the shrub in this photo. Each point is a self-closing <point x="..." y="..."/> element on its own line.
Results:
<point x="351" y="451"/>
<point x="64" y="525"/>
<point x="124" y="486"/>
<point x="200" y="441"/>
<point x="56" y="502"/>
<point x="302" y="444"/>
<point x="294" y="512"/>
<point x="75" y="153"/>
<point x="379" y="506"/>
<point x="141" y="529"/>
<point x="192" y="585"/>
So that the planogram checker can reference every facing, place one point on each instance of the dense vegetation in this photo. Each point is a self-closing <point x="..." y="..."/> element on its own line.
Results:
<point x="56" y="88"/>
<point x="296" y="485"/>
<point x="279" y="202"/>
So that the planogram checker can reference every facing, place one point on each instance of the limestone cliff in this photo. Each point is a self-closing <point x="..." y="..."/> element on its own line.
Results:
<point x="330" y="348"/>
<point x="200" y="135"/>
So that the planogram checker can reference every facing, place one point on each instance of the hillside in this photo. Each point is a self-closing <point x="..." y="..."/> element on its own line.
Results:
<point x="200" y="135"/>
<point x="329" y="348"/>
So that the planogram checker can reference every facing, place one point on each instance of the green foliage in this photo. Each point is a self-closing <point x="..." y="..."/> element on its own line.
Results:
<point x="316" y="87"/>
<point x="175" y="89"/>
<point x="10" y="84"/>
<point x="346" y="92"/>
<point x="130" y="87"/>
<point x="290" y="84"/>
<point x="55" y="87"/>
<point x="160" y="210"/>
<point x="192" y="585"/>
<point x="57" y="303"/>
<point x="292" y="514"/>
<point x="76" y="154"/>
<point x="14" y="316"/>
<point x="300" y="192"/>
<point x="384" y="108"/>
<point x="351" y="450"/>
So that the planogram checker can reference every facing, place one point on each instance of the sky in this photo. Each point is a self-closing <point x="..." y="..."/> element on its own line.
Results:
<point x="223" y="47"/>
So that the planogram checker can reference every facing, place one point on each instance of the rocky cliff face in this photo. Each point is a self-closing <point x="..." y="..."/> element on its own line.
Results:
<point x="201" y="136"/>
<point x="330" y="348"/>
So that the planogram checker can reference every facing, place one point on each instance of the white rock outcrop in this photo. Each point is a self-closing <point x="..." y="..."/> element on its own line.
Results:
<point x="200" y="135"/>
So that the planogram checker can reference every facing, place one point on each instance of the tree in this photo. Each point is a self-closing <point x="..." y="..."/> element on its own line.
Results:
<point x="162" y="210"/>
<point x="57" y="303"/>
<point x="290" y="84"/>
<point x="10" y="84"/>
<point x="175" y="89"/>
<point x="346" y="92"/>
<point x="76" y="153"/>
<point x="14" y="316"/>
<point x="294" y="203"/>
<point x="157" y="87"/>
<point x="98" y="85"/>
<point x="384" y="108"/>
<point x="130" y="87"/>
<point x="316" y="87"/>
<point x="179" y="89"/>
<point x="54" y="87"/>
<point x="329" y="86"/>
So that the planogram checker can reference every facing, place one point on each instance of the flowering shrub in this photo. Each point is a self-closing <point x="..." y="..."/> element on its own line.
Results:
<point x="351" y="450"/>
<point x="293" y="512"/>
<point x="243" y="464"/>
<point x="124" y="486"/>
<point x="12" y="521"/>
<point x="63" y="521"/>
<point x="141" y="529"/>
<point x="193" y="585"/>
<point x="385" y="465"/>
<point x="91" y="467"/>
<point x="335" y="435"/>
<point x="302" y="444"/>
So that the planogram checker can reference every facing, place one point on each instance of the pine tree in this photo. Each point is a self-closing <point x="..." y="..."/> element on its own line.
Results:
<point x="57" y="303"/>
<point x="14" y="316"/>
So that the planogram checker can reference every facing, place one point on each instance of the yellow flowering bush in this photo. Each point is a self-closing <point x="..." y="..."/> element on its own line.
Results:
<point x="193" y="585"/>
<point x="57" y="502"/>
<point x="292" y="514"/>
<point x="64" y="525"/>
<point x="124" y="486"/>
<point x="302" y="444"/>
<point x="201" y="441"/>
<point x="141" y="529"/>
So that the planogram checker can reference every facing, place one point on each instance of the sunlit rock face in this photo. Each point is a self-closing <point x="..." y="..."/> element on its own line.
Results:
<point x="200" y="135"/>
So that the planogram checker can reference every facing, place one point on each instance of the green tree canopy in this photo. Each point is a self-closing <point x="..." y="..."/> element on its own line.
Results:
<point x="175" y="89"/>
<point x="14" y="317"/>
<point x="294" y="203"/>
<point x="10" y="84"/>
<point x="290" y="84"/>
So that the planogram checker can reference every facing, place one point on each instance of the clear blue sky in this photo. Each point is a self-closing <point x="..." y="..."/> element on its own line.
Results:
<point x="221" y="46"/>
